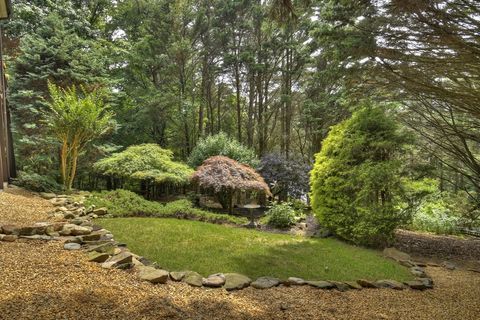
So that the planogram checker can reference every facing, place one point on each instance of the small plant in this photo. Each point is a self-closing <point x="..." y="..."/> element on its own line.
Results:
<point x="281" y="216"/>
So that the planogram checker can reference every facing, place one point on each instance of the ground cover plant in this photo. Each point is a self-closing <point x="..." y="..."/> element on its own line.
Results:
<point x="209" y="248"/>
<point x="124" y="203"/>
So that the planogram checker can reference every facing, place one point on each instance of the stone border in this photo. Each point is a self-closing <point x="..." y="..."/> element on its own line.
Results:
<point x="80" y="233"/>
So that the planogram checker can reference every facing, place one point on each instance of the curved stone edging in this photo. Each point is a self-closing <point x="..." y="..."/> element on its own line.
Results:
<point x="100" y="246"/>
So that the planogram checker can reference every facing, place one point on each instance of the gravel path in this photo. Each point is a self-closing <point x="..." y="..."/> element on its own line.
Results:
<point x="40" y="280"/>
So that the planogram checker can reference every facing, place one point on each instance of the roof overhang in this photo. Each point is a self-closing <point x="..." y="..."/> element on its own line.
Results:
<point x="5" y="9"/>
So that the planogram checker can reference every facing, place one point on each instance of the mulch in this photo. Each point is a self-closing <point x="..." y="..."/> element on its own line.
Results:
<point x="40" y="280"/>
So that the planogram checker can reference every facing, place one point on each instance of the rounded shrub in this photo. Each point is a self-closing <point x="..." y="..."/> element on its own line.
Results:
<point x="356" y="176"/>
<point x="281" y="216"/>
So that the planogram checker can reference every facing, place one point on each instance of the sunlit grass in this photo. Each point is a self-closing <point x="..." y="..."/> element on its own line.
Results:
<point x="208" y="248"/>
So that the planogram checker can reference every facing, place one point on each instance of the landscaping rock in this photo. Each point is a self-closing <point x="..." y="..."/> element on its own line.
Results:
<point x="353" y="285"/>
<point x="90" y="237"/>
<point x="47" y="195"/>
<point x="74" y="230"/>
<point x="321" y="284"/>
<point x="427" y="282"/>
<point x="416" y="284"/>
<point x="448" y="265"/>
<point x="72" y="246"/>
<point x="214" y="280"/>
<point x="192" y="278"/>
<point x="296" y="281"/>
<point x="9" y="238"/>
<point x="236" y="281"/>
<point x="392" y="284"/>
<point x="98" y="257"/>
<point x="118" y="260"/>
<point x="418" y="272"/>
<point x="265" y="282"/>
<point x="100" y="211"/>
<point x="366" y="283"/>
<point x="340" y="286"/>
<point x="68" y="215"/>
<point x="37" y="237"/>
<point x="9" y="229"/>
<point x="177" y="275"/>
<point x="26" y="231"/>
<point x="153" y="275"/>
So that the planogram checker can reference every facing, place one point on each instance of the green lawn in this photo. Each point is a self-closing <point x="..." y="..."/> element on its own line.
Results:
<point x="207" y="248"/>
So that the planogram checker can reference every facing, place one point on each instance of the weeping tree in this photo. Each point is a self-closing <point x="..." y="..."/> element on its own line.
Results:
<point x="75" y="119"/>
<point x="226" y="178"/>
<point x="148" y="164"/>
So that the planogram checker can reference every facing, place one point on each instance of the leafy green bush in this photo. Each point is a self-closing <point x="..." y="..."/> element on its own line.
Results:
<point x="35" y="182"/>
<point x="145" y="162"/>
<point x="356" y="176"/>
<point x="123" y="203"/>
<point x="281" y="215"/>
<point x="221" y="145"/>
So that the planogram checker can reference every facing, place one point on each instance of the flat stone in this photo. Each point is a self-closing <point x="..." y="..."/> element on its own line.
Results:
<point x="47" y="195"/>
<point x="353" y="285"/>
<point x="118" y="260"/>
<point x="396" y="254"/>
<point x="449" y="265"/>
<point x="72" y="246"/>
<point x="27" y="231"/>
<point x="75" y="230"/>
<point x="418" y="272"/>
<point x="321" y="284"/>
<point x="177" y="275"/>
<point x="37" y="237"/>
<point x="214" y="281"/>
<point x="391" y="284"/>
<point x="366" y="283"/>
<point x="9" y="229"/>
<point x="90" y="237"/>
<point x="193" y="278"/>
<point x="98" y="257"/>
<point x="9" y="238"/>
<point x="100" y="211"/>
<point x="428" y="282"/>
<point x="69" y="215"/>
<point x="153" y="275"/>
<point x="416" y="284"/>
<point x="236" y="281"/>
<point x="341" y="286"/>
<point x="265" y="282"/>
<point x="296" y="281"/>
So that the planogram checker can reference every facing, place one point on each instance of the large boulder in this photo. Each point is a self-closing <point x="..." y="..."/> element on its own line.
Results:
<point x="265" y="282"/>
<point x="153" y="275"/>
<point x="236" y="281"/>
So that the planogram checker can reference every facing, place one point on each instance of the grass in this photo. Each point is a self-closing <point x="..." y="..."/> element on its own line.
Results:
<point x="208" y="248"/>
<point x="124" y="203"/>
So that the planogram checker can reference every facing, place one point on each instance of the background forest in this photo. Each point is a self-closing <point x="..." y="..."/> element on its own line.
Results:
<point x="271" y="76"/>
